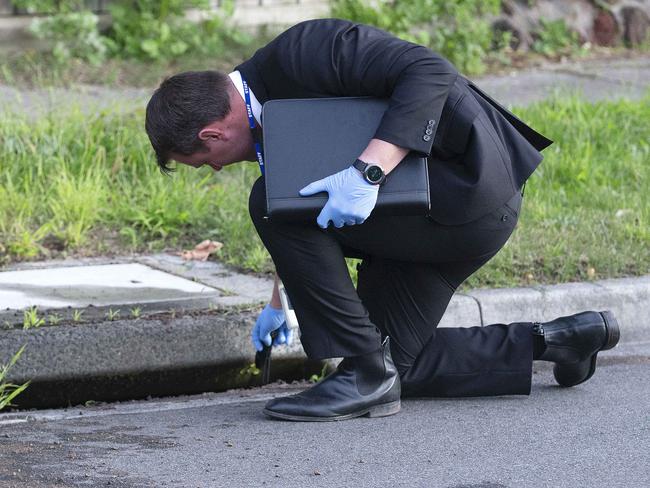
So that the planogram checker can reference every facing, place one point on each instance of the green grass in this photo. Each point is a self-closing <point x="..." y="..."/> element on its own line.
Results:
<point x="587" y="205"/>
<point x="87" y="183"/>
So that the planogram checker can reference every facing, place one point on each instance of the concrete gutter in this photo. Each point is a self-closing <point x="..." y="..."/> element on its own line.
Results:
<point x="203" y="345"/>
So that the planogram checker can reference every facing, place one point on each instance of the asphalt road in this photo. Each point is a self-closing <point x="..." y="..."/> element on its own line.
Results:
<point x="593" y="435"/>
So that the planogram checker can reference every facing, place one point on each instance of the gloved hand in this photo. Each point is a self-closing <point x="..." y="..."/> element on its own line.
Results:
<point x="351" y="198"/>
<point x="269" y="320"/>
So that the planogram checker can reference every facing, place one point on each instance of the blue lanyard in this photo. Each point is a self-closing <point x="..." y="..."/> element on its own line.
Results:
<point x="252" y="124"/>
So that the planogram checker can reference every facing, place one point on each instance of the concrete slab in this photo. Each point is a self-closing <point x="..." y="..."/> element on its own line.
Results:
<point x="236" y="288"/>
<point x="213" y="286"/>
<point x="83" y="286"/>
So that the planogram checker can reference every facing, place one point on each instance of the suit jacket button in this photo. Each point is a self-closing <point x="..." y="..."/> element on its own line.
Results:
<point x="428" y="132"/>
<point x="426" y="138"/>
<point x="431" y="122"/>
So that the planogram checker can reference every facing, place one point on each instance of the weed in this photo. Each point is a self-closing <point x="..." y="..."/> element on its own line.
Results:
<point x="77" y="315"/>
<point x="112" y="314"/>
<point x="31" y="318"/>
<point x="54" y="318"/>
<point x="9" y="391"/>
<point x="136" y="312"/>
<point x="226" y="292"/>
<point x="315" y="378"/>
<point x="250" y="370"/>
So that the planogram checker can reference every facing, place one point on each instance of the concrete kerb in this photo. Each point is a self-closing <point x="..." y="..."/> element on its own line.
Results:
<point x="628" y="298"/>
<point x="211" y="337"/>
<point x="183" y="337"/>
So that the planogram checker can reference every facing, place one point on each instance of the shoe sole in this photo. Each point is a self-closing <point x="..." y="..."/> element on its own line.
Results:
<point x="613" y="336"/>
<point x="383" y="410"/>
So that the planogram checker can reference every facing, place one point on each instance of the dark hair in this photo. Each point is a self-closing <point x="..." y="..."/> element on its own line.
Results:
<point x="183" y="105"/>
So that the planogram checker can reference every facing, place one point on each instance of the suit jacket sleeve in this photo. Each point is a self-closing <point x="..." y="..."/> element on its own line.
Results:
<point x="332" y="57"/>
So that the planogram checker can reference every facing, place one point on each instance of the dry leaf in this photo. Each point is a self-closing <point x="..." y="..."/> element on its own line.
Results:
<point x="202" y="251"/>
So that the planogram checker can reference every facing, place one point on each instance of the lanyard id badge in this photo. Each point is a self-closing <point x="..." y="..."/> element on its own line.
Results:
<point x="252" y="124"/>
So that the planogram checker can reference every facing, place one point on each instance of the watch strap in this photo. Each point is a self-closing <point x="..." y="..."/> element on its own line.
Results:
<point x="360" y="165"/>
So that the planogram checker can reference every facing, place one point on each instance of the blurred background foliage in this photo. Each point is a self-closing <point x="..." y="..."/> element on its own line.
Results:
<point x="139" y="32"/>
<point x="460" y="30"/>
<point x="145" y="30"/>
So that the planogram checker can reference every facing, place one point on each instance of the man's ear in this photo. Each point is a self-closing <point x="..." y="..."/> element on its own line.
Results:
<point x="210" y="132"/>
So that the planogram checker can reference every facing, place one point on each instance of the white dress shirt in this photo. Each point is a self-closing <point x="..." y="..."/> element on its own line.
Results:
<point x="235" y="76"/>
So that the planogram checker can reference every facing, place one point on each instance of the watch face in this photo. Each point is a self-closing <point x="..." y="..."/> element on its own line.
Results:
<point x="374" y="173"/>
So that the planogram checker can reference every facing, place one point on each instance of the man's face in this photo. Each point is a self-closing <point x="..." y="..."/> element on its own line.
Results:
<point x="226" y="141"/>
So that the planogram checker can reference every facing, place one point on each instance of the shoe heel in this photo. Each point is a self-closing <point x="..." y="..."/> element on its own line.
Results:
<point x="613" y="330"/>
<point x="385" y="409"/>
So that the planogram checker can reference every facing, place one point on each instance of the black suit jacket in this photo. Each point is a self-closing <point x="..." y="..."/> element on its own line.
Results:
<point x="479" y="153"/>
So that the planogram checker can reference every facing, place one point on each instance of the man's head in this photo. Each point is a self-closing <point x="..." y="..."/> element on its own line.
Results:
<point x="197" y="118"/>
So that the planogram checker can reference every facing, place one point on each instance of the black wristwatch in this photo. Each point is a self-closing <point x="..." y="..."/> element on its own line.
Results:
<point x="372" y="173"/>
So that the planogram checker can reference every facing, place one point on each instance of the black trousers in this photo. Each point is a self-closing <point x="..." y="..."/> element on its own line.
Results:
<point x="411" y="268"/>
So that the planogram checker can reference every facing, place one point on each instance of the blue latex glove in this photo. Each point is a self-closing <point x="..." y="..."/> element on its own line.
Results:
<point x="351" y="198"/>
<point x="269" y="320"/>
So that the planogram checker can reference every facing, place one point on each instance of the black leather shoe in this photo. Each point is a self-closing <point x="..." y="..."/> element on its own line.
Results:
<point x="350" y="391"/>
<point x="573" y="342"/>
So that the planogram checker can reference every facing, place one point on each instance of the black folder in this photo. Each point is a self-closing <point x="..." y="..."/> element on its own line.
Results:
<point x="308" y="139"/>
